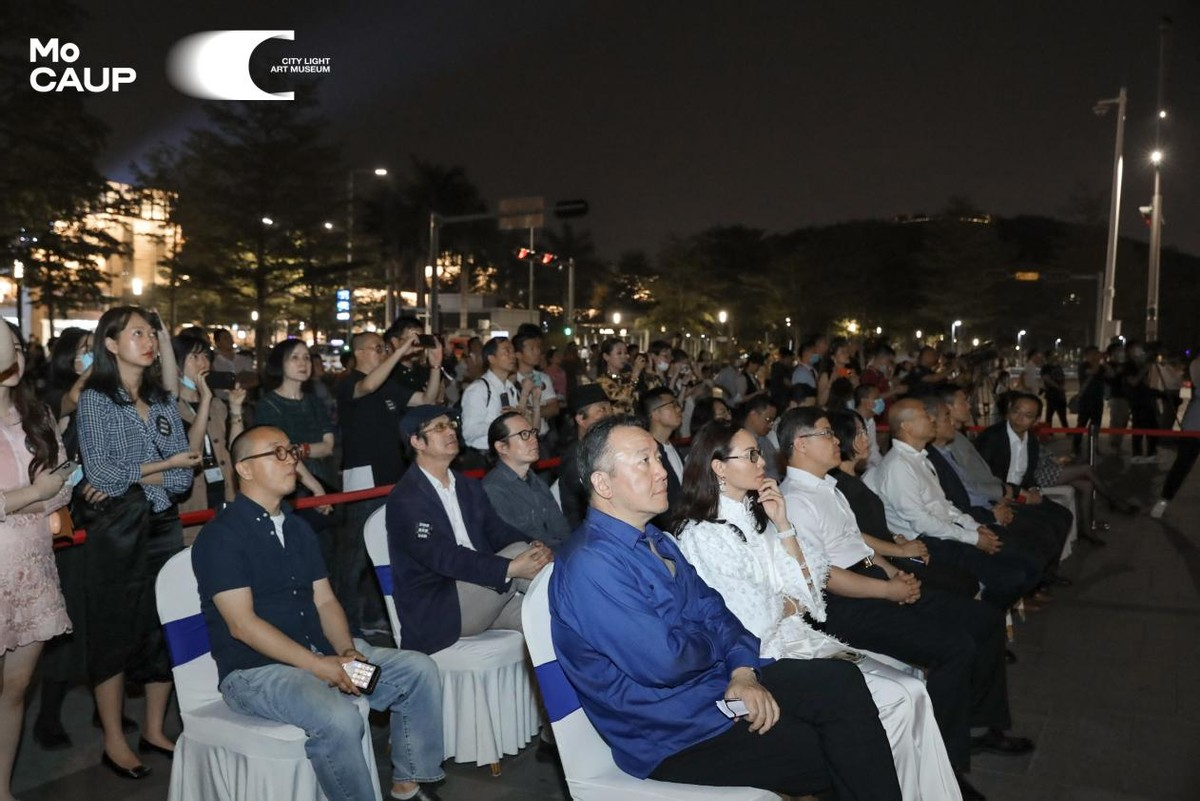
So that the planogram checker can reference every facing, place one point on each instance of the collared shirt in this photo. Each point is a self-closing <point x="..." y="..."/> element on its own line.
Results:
<point x="674" y="460"/>
<point x="977" y="499"/>
<point x="482" y="402"/>
<point x="649" y="654"/>
<point x="239" y="549"/>
<point x="526" y="504"/>
<point x="816" y="507"/>
<point x="1018" y="463"/>
<point x="548" y="394"/>
<point x="804" y="374"/>
<point x="115" y="442"/>
<point x="449" y="498"/>
<point x="277" y="522"/>
<point x="914" y="500"/>
<point x="979" y="478"/>
<point x="874" y="456"/>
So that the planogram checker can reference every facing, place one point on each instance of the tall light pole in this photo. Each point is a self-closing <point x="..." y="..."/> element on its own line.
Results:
<point x="380" y="172"/>
<point x="953" y="331"/>
<point x="1156" y="158"/>
<point x="1020" y="334"/>
<point x="1105" y="325"/>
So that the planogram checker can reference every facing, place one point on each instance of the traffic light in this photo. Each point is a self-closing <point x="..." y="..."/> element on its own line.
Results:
<point x="526" y="254"/>
<point x="567" y="331"/>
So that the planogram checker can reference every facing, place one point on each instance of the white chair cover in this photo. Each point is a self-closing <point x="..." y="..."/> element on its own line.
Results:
<point x="1065" y="495"/>
<point x="586" y="759"/>
<point x="489" y="708"/>
<point x="223" y="755"/>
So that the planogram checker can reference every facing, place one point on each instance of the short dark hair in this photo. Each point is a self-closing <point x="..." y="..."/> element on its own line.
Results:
<point x="1012" y="397"/>
<point x="606" y="347"/>
<point x="498" y="430"/>
<point x="652" y="399"/>
<point x="795" y="421"/>
<point x="273" y="369"/>
<point x="187" y="342"/>
<point x="400" y="325"/>
<point x="759" y="403"/>
<point x="845" y="423"/>
<point x="660" y="345"/>
<point x="491" y="346"/>
<point x="861" y="392"/>
<point x="593" y="452"/>
<point x="933" y="404"/>
<point x="524" y="336"/>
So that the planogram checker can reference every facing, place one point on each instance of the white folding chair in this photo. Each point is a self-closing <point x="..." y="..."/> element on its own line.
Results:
<point x="586" y="759"/>
<point x="224" y="755"/>
<point x="489" y="708"/>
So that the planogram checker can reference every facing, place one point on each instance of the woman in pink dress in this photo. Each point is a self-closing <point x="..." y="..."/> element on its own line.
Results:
<point x="31" y="606"/>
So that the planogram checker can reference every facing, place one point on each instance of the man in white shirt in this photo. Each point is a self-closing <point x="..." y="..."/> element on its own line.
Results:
<point x="527" y="345"/>
<point x="871" y="604"/>
<point x="916" y="506"/>
<point x="484" y="400"/>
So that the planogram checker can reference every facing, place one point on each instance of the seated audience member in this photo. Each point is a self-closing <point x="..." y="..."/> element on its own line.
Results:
<point x="735" y="531"/>
<point x="663" y="415"/>
<point x="869" y="404"/>
<point x="453" y="558"/>
<point x="518" y="494"/>
<point x="757" y="416"/>
<point x="495" y="393"/>
<point x="589" y="405"/>
<point x="779" y="380"/>
<point x="651" y="650"/>
<point x="916" y="506"/>
<point x="279" y="636"/>
<point x="910" y="556"/>
<point x="707" y="409"/>
<point x="802" y="397"/>
<point x="1040" y="543"/>
<point x="870" y="604"/>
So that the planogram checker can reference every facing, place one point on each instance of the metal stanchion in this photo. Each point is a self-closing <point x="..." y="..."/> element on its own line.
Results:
<point x="1093" y="446"/>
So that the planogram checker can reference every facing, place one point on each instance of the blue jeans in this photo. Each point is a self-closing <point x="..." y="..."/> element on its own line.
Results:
<point x="408" y="685"/>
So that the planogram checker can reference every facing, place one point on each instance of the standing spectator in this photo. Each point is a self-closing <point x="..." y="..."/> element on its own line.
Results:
<point x="471" y="366"/>
<point x="573" y="368"/>
<point x="708" y="409"/>
<point x="135" y="453"/>
<point x="779" y="380"/>
<point x="1031" y="376"/>
<point x="835" y="368"/>
<point x="878" y="373"/>
<point x="70" y="365"/>
<point x="1188" y="447"/>
<point x="527" y="345"/>
<point x="617" y="378"/>
<point x="1118" y="394"/>
<point x="492" y="395"/>
<point x="517" y="492"/>
<point x="1094" y="375"/>
<point x="806" y="365"/>
<point x="31" y="492"/>
<point x="589" y="405"/>
<point x="1143" y="406"/>
<point x="753" y="380"/>
<point x="211" y="427"/>
<point x="554" y="369"/>
<point x="1054" y="385"/>
<point x="413" y="371"/>
<point x="227" y="359"/>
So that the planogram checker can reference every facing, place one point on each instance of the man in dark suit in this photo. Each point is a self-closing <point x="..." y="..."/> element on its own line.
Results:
<point x="664" y="415"/>
<point x="589" y="405"/>
<point x="454" y="560"/>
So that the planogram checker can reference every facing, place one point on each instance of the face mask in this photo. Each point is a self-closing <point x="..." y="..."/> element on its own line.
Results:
<point x="850" y="405"/>
<point x="76" y="477"/>
<point x="878" y="406"/>
<point x="85" y="361"/>
<point x="662" y="367"/>
<point x="815" y="359"/>
<point x="187" y="382"/>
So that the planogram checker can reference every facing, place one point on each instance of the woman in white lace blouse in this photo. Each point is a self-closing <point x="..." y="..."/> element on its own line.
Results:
<point x="734" y="531"/>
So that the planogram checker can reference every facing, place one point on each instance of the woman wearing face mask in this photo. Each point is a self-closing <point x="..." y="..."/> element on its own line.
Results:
<point x="869" y="406"/>
<point x="135" y="451"/>
<point x="70" y="364"/>
<point x="212" y="425"/>
<point x="735" y="532"/>
<point x="31" y="607"/>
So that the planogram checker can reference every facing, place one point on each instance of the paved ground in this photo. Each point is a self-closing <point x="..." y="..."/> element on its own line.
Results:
<point x="1103" y="684"/>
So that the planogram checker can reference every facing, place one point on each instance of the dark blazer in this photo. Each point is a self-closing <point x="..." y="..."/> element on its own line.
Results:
<point x="674" y="490"/>
<point x="952" y="485"/>
<point x="992" y="444"/>
<point x="571" y="493"/>
<point x="427" y="560"/>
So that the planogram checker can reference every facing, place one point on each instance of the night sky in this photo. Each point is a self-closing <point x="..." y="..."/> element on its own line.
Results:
<point x="673" y="116"/>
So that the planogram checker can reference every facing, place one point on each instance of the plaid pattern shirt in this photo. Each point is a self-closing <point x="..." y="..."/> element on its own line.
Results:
<point x="116" y="442"/>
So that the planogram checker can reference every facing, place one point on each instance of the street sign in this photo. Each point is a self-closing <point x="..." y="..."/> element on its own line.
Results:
<point x="515" y="213"/>
<point x="342" y="304"/>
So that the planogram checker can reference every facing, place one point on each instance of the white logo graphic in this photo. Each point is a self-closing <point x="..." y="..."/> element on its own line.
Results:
<point x="215" y="65"/>
<point x="79" y="79"/>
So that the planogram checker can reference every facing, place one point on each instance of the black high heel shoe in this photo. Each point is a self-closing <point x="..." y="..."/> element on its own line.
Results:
<point x="145" y="745"/>
<point x="136" y="772"/>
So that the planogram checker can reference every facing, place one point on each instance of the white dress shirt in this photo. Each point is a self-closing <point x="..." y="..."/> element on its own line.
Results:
<point x="817" y="508"/>
<point x="874" y="456"/>
<point x="481" y="404"/>
<point x="449" y="498"/>
<point x="674" y="460"/>
<point x="1018" y="462"/>
<point x="914" y="501"/>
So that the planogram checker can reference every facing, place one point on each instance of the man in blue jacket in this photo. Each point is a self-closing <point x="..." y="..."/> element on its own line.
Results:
<point x="454" y="560"/>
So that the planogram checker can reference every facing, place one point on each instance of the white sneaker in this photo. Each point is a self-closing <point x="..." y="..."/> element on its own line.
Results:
<point x="1159" y="509"/>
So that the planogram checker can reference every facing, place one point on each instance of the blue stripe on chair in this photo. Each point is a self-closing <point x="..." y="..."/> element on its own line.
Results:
<point x="557" y="693"/>
<point x="384" y="574"/>
<point x="187" y="639"/>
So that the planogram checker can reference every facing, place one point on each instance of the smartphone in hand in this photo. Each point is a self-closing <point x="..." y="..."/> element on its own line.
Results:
<point x="363" y="675"/>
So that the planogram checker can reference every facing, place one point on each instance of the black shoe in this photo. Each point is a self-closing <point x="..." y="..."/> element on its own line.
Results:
<point x="969" y="793"/>
<point x="1010" y="657"/>
<point x="51" y="738"/>
<point x="546" y="752"/>
<point x="128" y="725"/>
<point x="997" y="742"/>
<point x="145" y="745"/>
<point x="136" y="772"/>
<point x="425" y="792"/>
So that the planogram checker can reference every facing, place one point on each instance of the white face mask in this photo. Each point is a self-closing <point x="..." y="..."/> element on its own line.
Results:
<point x="662" y="367"/>
<point x="187" y="382"/>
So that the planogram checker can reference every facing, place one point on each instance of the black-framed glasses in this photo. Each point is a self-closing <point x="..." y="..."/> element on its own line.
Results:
<point x="525" y="435"/>
<point x="823" y="432"/>
<point x="444" y="425"/>
<point x="668" y="405"/>
<point x="281" y="452"/>
<point x="752" y="456"/>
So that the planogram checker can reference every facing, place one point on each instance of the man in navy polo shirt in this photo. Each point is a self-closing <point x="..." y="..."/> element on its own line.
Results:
<point x="279" y="636"/>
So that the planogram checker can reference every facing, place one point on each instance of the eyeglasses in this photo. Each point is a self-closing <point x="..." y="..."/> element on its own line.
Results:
<point x="444" y="425"/>
<point x="281" y="452"/>
<point x="752" y="456"/>
<point x="668" y="405"/>
<point x="376" y="349"/>
<point x="525" y="435"/>
<point x="824" y="432"/>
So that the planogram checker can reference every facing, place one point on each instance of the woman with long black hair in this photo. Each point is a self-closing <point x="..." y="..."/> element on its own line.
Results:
<point x="31" y="607"/>
<point x="734" y="530"/>
<point x="135" y="451"/>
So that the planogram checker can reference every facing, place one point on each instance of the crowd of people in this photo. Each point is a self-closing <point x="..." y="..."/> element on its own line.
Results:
<point x="790" y="541"/>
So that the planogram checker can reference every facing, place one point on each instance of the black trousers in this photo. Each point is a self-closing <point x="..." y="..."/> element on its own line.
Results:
<point x="828" y="735"/>
<point x="939" y="575"/>
<point x="1056" y="403"/>
<point x="1145" y="415"/>
<point x="1185" y="458"/>
<point x="1035" y="535"/>
<point x="1005" y="577"/>
<point x="958" y="641"/>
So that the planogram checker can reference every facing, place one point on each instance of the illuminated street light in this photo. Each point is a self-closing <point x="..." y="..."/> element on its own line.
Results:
<point x="722" y="317"/>
<point x="381" y="171"/>
<point x="918" y="333"/>
<point x="254" y="315"/>
<point x="18" y="269"/>
<point x="1162" y="115"/>
<point x="1020" y="334"/>
<point x="953" y="330"/>
<point x="1057" y="342"/>
<point x="1156" y="157"/>
<point x="878" y="330"/>
<point x="975" y="342"/>
<point x="616" y="318"/>
<point x="328" y="226"/>
<point x="138" y="286"/>
<point x="267" y="221"/>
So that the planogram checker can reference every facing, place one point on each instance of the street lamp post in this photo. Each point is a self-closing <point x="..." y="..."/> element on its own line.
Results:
<point x="380" y="172"/>
<point x="1020" y="334"/>
<point x="953" y="331"/>
<point x="1155" y="250"/>
<point x="1105" y="327"/>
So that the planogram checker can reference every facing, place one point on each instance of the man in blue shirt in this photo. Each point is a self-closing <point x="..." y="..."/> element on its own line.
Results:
<point x="651" y="650"/>
<point x="279" y="636"/>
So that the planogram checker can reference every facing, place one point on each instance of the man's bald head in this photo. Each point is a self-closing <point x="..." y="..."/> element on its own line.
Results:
<point x="253" y="440"/>
<point x="910" y="422"/>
